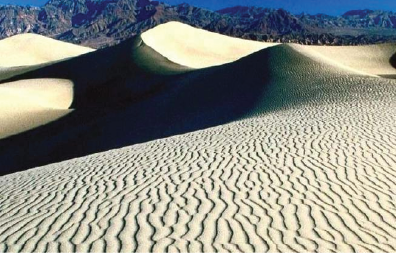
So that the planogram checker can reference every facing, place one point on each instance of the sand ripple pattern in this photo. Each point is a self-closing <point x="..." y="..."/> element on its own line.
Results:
<point x="317" y="180"/>
<point x="318" y="177"/>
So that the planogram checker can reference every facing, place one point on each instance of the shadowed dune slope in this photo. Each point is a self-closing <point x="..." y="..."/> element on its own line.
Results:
<point x="120" y="99"/>
<point x="126" y="102"/>
<point x="306" y="162"/>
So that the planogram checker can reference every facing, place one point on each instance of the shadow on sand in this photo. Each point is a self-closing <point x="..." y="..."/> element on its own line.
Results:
<point x="130" y="94"/>
<point x="392" y="62"/>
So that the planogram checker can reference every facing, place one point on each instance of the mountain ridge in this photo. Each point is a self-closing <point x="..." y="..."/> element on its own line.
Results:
<point x="108" y="22"/>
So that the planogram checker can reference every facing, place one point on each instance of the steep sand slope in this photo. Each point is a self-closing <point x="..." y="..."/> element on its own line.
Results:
<point x="33" y="49"/>
<point x="370" y="60"/>
<point x="198" y="48"/>
<point x="27" y="104"/>
<point x="310" y="166"/>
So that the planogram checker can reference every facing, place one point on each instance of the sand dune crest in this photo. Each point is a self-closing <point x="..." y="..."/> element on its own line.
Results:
<point x="33" y="49"/>
<point x="198" y="48"/>
<point x="372" y="60"/>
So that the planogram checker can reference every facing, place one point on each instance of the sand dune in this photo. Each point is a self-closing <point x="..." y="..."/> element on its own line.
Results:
<point x="369" y="60"/>
<point x="33" y="49"/>
<point x="279" y="151"/>
<point x="301" y="180"/>
<point x="198" y="48"/>
<point x="27" y="104"/>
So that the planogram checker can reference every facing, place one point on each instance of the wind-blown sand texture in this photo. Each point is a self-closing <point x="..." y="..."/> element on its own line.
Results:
<point x="27" y="104"/>
<point x="308" y="165"/>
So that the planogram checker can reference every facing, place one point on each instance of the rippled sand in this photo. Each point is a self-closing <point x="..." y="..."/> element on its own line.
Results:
<point x="309" y="167"/>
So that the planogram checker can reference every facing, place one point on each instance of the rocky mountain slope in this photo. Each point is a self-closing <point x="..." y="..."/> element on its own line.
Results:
<point x="100" y="23"/>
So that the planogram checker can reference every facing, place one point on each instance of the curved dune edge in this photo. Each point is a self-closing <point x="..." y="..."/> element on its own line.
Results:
<point x="372" y="60"/>
<point x="33" y="49"/>
<point x="314" y="174"/>
<point x="197" y="48"/>
<point x="27" y="104"/>
<point x="9" y="72"/>
<point x="148" y="59"/>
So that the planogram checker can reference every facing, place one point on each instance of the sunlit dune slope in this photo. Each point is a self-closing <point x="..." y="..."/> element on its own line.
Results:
<point x="198" y="48"/>
<point x="27" y="104"/>
<point x="22" y="108"/>
<point x="130" y="94"/>
<point x="276" y="152"/>
<point x="33" y="49"/>
<point x="369" y="60"/>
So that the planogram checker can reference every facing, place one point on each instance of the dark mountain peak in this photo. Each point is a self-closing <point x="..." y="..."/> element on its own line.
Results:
<point x="359" y="13"/>
<point x="319" y="15"/>
<point x="100" y="23"/>
<point x="234" y="10"/>
<point x="243" y="10"/>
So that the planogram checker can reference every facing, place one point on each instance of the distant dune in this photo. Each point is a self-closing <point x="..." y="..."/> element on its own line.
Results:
<point x="367" y="60"/>
<point x="33" y="49"/>
<point x="27" y="104"/>
<point x="278" y="148"/>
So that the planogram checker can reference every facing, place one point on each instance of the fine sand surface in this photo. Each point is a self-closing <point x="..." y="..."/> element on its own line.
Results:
<point x="27" y="104"/>
<point x="372" y="60"/>
<point x="279" y="151"/>
<point x="33" y="49"/>
<point x="198" y="48"/>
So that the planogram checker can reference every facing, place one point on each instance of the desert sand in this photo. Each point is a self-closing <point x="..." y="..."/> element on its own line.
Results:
<point x="27" y="104"/>
<point x="33" y="49"/>
<point x="371" y="60"/>
<point x="197" y="48"/>
<point x="308" y="164"/>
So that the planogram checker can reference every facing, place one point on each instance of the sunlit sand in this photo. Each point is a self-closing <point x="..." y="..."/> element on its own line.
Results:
<point x="308" y="165"/>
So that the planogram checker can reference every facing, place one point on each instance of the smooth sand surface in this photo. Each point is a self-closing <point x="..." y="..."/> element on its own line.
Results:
<point x="309" y="168"/>
<point x="370" y="60"/>
<point x="197" y="48"/>
<point x="33" y="49"/>
<point x="27" y="104"/>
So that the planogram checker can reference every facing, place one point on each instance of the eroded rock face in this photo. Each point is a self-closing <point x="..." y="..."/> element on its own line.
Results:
<point x="17" y="19"/>
<point x="101" y="23"/>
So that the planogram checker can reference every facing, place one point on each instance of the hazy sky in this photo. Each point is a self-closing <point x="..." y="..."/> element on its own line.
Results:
<point x="334" y="7"/>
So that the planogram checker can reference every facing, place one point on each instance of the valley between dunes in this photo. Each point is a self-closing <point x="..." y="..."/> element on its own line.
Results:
<point x="181" y="140"/>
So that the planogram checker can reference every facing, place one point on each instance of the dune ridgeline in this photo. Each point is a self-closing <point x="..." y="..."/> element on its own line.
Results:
<point x="181" y="140"/>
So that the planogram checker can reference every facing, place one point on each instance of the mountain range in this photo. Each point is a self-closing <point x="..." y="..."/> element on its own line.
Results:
<point x="102" y="23"/>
